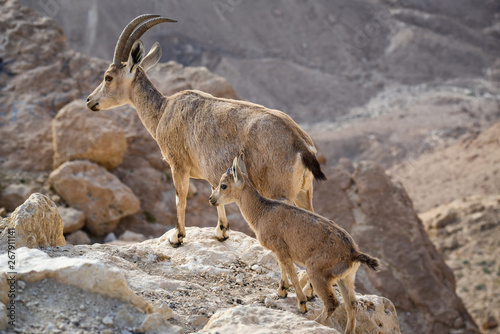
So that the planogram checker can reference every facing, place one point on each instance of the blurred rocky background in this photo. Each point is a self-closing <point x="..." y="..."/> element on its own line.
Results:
<point x="412" y="86"/>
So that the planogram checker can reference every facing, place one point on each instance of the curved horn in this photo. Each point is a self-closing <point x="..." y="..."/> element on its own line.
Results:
<point x="145" y="26"/>
<point x="122" y="40"/>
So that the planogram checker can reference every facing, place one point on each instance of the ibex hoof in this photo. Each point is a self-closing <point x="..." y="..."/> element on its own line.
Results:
<point x="223" y="238"/>
<point x="303" y="307"/>
<point x="282" y="293"/>
<point x="175" y="244"/>
<point x="178" y="242"/>
<point x="309" y="292"/>
<point x="221" y="233"/>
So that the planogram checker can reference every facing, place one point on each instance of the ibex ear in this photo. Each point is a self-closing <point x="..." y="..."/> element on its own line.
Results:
<point x="236" y="171"/>
<point x="135" y="56"/>
<point x="152" y="57"/>
<point x="241" y="163"/>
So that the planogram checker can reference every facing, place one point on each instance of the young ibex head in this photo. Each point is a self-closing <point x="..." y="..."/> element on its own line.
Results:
<point x="230" y="185"/>
<point x="115" y="89"/>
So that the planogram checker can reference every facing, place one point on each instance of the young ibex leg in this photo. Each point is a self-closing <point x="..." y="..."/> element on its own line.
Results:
<point x="346" y="286"/>
<point x="181" y="184"/>
<point x="308" y="290"/>
<point x="324" y="290"/>
<point x="287" y="263"/>
<point x="284" y="284"/>
<point x="222" y="224"/>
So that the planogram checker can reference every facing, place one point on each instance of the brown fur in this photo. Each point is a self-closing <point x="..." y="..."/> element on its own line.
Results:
<point x="328" y="252"/>
<point x="199" y="134"/>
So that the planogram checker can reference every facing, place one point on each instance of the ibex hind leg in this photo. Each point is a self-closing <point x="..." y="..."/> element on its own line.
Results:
<point x="323" y="287"/>
<point x="284" y="284"/>
<point x="346" y="286"/>
<point x="304" y="198"/>
<point x="181" y="184"/>
<point x="222" y="224"/>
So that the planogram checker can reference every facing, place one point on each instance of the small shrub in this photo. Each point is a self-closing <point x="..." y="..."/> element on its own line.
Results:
<point x="150" y="218"/>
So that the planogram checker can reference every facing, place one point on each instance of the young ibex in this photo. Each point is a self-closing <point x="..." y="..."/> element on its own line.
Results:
<point x="328" y="252"/>
<point x="199" y="134"/>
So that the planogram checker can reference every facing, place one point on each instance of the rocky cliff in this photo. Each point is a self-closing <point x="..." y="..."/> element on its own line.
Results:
<point x="338" y="54"/>
<point x="467" y="232"/>
<point x="373" y="80"/>
<point x="468" y="167"/>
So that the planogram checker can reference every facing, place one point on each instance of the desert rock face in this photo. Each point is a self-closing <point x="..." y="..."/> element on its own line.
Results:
<point x="35" y="223"/>
<point x="79" y="133"/>
<point x="380" y="217"/>
<point x="88" y="187"/>
<point x="468" y="167"/>
<point x="313" y="60"/>
<point x="467" y="232"/>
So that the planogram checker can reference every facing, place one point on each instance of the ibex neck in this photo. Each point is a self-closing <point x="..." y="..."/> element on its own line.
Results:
<point x="252" y="205"/>
<point x="147" y="101"/>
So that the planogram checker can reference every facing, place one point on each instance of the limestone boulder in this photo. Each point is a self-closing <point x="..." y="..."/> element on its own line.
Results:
<point x="36" y="223"/>
<point x="78" y="238"/>
<point x="90" y="188"/>
<point x="73" y="219"/>
<point x="79" y="133"/>
<point x="130" y="236"/>
<point x="78" y="286"/>
<point x="14" y="195"/>
<point x="251" y="319"/>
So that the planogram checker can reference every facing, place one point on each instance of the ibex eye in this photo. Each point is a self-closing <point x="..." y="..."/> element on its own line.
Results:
<point x="108" y="78"/>
<point x="223" y="186"/>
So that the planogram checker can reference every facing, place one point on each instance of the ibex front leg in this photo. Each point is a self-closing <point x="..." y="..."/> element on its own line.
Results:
<point x="181" y="184"/>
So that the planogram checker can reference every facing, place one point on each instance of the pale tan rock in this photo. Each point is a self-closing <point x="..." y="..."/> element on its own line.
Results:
<point x="251" y="319"/>
<point x="197" y="321"/>
<point x="78" y="238"/>
<point x="132" y="237"/>
<point x="73" y="219"/>
<point x="3" y="212"/>
<point x="90" y="188"/>
<point x="90" y="275"/>
<point x="35" y="223"/>
<point x="14" y="195"/>
<point x="79" y="133"/>
<point x="164" y="310"/>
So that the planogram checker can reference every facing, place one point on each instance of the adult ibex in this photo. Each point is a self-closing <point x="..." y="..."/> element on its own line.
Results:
<point x="199" y="134"/>
<point x="328" y="252"/>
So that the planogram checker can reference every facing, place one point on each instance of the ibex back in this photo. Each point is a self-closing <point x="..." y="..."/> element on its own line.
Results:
<point x="199" y="134"/>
